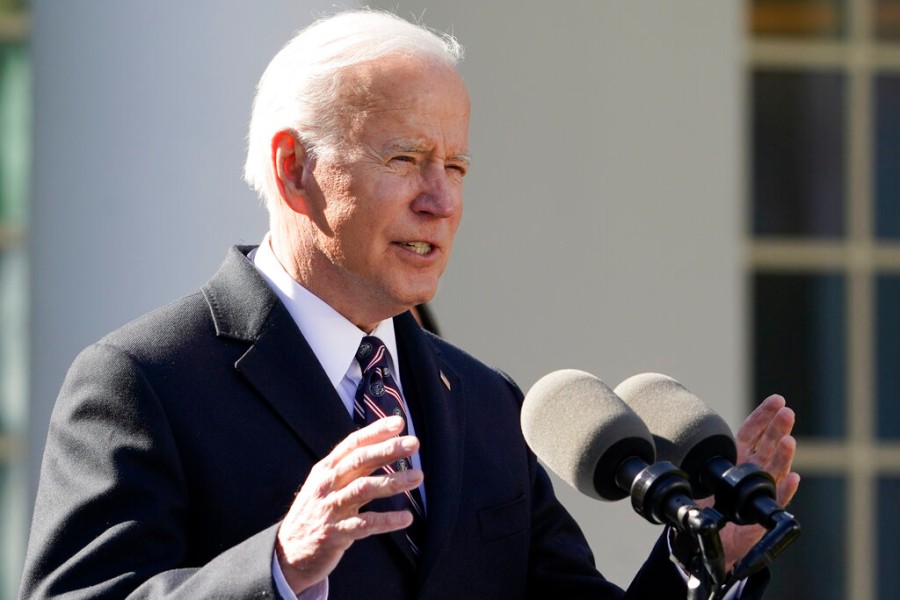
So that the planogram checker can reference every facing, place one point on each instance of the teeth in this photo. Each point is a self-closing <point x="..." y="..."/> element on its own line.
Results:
<point x="419" y="247"/>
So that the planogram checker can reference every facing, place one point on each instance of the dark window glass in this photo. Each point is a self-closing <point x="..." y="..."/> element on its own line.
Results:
<point x="888" y="538"/>
<point x="15" y="132"/>
<point x="887" y="332"/>
<point x="799" y="338"/>
<point x="812" y="568"/>
<point x="798" y="153"/>
<point x="887" y="156"/>
<point x="798" y="18"/>
<point x="886" y="19"/>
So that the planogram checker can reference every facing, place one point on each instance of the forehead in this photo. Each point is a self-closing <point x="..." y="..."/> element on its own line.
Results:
<point x="409" y="97"/>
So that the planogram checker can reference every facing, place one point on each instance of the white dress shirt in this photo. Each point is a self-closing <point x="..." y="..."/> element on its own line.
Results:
<point x="334" y="340"/>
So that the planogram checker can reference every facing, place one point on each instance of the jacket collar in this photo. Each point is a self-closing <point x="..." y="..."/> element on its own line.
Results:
<point x="282" y="367"/>
<point x="278" y="363"/>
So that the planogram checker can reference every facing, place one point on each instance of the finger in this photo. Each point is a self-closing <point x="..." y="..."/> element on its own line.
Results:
<point x="754" y="426"/>
<point x="368" y="459"/>
<point x="374" y="523"/>
<point x="786" y="488"/>
<point x="779" y="427"/>
<point x="363" y="490"/>
<point x="325" y="476"/>
<point x="379" y="431"/>
<point x="316" y="518"/>
<point x="779" y="465"/>
<point x="327" y="544"/>
<point x="786" y="481"/>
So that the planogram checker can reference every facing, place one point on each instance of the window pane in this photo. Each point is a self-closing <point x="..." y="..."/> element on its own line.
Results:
<point x="888" y="538"/>
<point x="887" y="156"/>
<point x="886" y="19"/>
<point x="803" y="18"/>
<point x="14" y="132"/>
<point x="798" y="153"/>
<point x="887" y="332"/>
<point x="813" y="566"/>
<point x="13" y="347"/>
<point x="799" y="347"/>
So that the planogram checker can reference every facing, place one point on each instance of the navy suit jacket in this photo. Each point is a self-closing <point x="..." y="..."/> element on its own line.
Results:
<point x="179" y="441"/>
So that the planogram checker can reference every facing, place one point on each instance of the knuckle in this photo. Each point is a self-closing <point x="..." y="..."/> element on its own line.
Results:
<point x="357" y="460"/>
<point x="322" y="479"/>
<point x="362" y="487"/>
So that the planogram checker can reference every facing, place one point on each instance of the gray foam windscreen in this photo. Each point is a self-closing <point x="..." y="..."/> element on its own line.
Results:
<point x="685" y="430"/>
<point x="582" y="431"/>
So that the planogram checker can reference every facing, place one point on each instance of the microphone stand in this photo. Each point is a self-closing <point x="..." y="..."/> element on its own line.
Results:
<point x="661" y="493"/>
<point x="708" y="561"/>
<point x="700" y="552"/>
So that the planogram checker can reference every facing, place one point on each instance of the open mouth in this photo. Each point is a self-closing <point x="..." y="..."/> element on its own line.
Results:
<point x="421" y="248"/>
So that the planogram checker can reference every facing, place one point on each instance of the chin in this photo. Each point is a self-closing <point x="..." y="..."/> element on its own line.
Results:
<point x="410" y="302"/>
<point x="417" y="294"/>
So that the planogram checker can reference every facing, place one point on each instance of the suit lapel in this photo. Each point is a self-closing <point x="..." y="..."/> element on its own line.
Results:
<point x="439" y="419"/>
<point x="280" y="365"/>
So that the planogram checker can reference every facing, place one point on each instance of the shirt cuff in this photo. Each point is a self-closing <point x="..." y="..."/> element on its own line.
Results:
<point x="319" y="591"/>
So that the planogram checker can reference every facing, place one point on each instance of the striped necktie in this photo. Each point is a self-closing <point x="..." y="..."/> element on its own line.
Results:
<point x="377" y="397"/>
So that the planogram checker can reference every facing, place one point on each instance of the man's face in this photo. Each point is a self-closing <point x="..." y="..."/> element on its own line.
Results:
<point x="387" y="204"/>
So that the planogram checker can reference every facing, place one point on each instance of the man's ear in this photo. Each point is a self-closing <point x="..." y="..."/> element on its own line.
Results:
<point x="290" y="159"/>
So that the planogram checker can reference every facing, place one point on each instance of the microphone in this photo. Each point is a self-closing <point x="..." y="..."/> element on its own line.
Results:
<point x="685" y="430"/>
<point x="583" y="432"/>
<point x="692" y="436"/>
<point x="590" y="438"/>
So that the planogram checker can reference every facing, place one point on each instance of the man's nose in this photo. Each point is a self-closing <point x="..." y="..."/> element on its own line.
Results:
<point x="440" y="193"/>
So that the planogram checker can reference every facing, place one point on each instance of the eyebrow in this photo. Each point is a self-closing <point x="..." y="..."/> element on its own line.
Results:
<point x="413" y="147"/>
<point x="463" y="158"/>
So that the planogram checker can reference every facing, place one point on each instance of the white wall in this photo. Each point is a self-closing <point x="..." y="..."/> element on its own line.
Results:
<point x="140" y="120"/>
<point x="602" y="226"/>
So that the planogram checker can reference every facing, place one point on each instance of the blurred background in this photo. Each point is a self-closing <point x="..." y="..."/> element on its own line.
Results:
<point x="705" y="189"/>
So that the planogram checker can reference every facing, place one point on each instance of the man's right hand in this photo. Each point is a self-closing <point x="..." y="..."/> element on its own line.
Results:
<point x="324" y="519"/>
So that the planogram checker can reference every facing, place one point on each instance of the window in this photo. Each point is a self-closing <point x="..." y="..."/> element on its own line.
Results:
<point x="15" y="133"/>
<point x="824" y="273"/>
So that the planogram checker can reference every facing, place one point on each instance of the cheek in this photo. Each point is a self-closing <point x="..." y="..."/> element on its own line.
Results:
<point x="357" y="233"/>
<point x="340" y="215"/>
<point x="394" y="187"/>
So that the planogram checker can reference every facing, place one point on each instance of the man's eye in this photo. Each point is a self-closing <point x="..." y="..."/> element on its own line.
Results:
<point x="401" y="158"/>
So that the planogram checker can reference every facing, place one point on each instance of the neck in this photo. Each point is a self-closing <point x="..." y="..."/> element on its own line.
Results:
<point x="297" y="260"/>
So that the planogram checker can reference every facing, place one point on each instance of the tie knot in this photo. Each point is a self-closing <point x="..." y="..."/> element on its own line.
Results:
<point x="371" y="353"/>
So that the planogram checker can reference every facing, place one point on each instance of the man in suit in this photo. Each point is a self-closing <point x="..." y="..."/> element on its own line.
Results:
<point x="224" y="446"/>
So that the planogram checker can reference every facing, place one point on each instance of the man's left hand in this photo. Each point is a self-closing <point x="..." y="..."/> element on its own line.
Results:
<point x="764" y="440"/>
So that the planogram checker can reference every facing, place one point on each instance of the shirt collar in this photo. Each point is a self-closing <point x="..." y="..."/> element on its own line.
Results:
<point x="333" y="339"/>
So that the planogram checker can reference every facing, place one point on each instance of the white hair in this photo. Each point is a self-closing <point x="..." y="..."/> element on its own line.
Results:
<point x="300" y="88"/>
